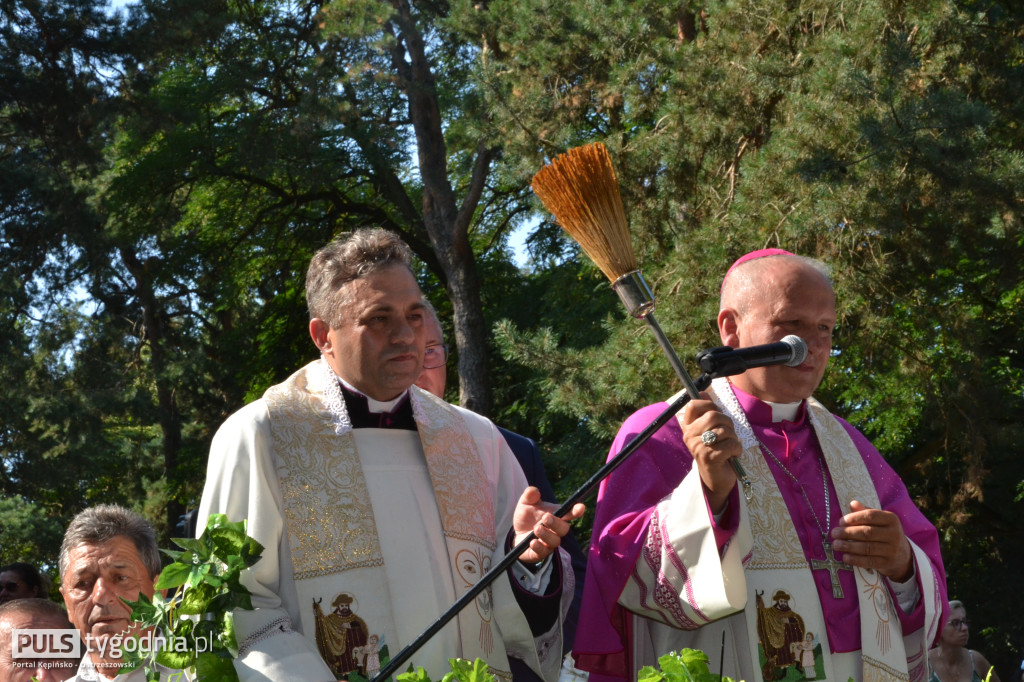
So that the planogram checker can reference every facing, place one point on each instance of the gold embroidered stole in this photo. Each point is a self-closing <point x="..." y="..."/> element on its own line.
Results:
<point x="330" y="519"/>
<point x="778" y="563"/>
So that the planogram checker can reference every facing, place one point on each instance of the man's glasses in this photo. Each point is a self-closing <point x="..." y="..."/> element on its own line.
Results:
<point x="435" y="356"/>
<point x="10" y="587"/>
<point x="957" y="622"/>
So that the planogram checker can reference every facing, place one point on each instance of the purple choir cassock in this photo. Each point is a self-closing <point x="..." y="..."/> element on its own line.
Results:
<point x="630" y="495"/>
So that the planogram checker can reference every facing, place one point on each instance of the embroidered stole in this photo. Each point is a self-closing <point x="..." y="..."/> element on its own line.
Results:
<point x="778" y="563"/>
<point x="332" y="530"/>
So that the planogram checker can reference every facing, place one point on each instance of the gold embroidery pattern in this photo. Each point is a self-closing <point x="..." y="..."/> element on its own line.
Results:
<point x="878" y="595"/>
<point x="851" y="482"/>
<point x="465" y="500"/>
<point x="502" y="675"/>
<point x="776" y="544"/>
<point x="878" y="671"/>
<point x="326" y="506"/>
<point x="854" y="482"/>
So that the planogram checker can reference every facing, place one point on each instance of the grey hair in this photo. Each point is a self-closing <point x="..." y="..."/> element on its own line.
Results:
<point x="102" y="523"/>
<point x="956" y="604"/>
<point x="35" y="606"/>
<point x="346" y="259"/>
<point x="432" y="312"/>
<point x="44" y="613"/>
<point x="746" y="273"/>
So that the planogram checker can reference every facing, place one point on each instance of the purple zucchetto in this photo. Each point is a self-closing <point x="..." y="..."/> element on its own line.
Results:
<point x="754" y="255"/>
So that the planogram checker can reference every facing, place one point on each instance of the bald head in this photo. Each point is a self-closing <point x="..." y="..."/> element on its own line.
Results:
<point x="32" y="614"/>
<point x="750" y="281"/>
<point x="767" y="298"/>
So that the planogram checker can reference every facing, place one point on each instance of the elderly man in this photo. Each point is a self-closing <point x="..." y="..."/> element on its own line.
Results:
<point x="109" y="554"/>
<point x="828" y="544"/>
<point x="378" y="504"/>
<point x="434" y="378"/>
<point x="33" y="614"/>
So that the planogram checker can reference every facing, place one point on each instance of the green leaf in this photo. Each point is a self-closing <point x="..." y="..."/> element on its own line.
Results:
<point x="227" y="634"/>
<point x="227" y="541"/>
<point x="688" y="665"/>
<point x="251" y="552"/>
<point x="417" y="675"/>
<point x="173" y="553"/>
<point x="146" y="611"/>
<point x="465" y="671"/>
<point x="210" y="666"/>
<point x="195" y="600"/>
<point x="173" y="575"/>
<point x="199" y="547"/>
<point x="649" y="673"/>
<point x="130" y="660"/>
<point x="178" y="660"/>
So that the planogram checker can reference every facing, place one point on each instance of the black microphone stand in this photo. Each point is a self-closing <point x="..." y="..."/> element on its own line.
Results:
<point x="584" y="491"/>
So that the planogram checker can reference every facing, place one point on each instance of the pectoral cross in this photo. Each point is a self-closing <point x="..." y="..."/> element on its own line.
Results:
<point x="833" y="567"/>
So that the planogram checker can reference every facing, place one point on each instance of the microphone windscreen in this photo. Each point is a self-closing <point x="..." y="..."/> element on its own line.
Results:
<point x="799" y="350"/>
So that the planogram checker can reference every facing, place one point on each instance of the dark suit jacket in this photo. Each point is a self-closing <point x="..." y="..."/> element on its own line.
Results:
<point x="525" y="450"/>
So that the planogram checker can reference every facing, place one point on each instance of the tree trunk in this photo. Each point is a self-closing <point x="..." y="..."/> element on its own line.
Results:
<point x="167" y="408"/>
<point x="446" y="223"/>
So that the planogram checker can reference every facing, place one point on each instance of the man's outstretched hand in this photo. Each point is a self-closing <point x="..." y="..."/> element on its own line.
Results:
<point x="533" y="514"/>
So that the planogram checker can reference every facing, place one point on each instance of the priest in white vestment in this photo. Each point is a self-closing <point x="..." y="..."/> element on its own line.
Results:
<point x="817" y="565"/>
<point x="378" y="504"/>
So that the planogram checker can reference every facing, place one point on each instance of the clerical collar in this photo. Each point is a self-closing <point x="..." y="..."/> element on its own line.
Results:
<point x="763" y="412"/>
<point x="784" y="411"/>
<point x="366" y="413"/>
<point x="374" y="405"/>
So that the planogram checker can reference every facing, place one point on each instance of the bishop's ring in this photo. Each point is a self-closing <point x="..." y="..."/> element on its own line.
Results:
<point x="708" y="437"/>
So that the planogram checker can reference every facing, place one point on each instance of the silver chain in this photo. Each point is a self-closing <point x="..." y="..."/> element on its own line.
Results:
<point x="824" y="483"/>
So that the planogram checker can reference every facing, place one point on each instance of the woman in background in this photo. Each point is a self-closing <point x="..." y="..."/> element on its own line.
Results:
<point x="951" y="660"/>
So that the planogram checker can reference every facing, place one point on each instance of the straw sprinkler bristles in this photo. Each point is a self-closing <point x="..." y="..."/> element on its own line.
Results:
<point x="580" y="189"/>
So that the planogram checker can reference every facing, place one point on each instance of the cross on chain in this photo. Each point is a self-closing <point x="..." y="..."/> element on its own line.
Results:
<point x="833" y="567"/>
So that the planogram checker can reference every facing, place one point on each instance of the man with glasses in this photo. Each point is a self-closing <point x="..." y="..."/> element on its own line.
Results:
<point x="21" y="581"/>
<point x="434" y="378"/>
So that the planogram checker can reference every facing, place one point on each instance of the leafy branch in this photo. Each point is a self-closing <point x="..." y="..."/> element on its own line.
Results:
<point x="462" y="671"/>
<point x="196" y="623"/>
<point x="689" y="665"/>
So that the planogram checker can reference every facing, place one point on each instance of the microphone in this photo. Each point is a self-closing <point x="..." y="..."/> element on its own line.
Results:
<point x="725" y="361"/>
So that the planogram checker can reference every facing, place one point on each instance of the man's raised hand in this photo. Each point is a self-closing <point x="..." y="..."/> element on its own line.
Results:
<point x="533" y="514"/>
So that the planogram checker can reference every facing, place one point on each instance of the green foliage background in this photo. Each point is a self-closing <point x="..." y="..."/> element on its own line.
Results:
<point x="168" y="168"/>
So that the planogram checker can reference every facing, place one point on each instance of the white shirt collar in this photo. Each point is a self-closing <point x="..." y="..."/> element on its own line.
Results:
<point x="784" y="411"/>
<point x="376" y="405"/>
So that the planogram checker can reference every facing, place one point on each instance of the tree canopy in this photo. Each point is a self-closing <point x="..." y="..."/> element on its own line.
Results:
<point x="169" y="167"/>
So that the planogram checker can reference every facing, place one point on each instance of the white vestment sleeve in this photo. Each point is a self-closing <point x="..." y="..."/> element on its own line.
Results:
<point x="907" y="593"/>
<point x="242" y="483"/>
<point x="679" y="578"/>
<point x="534" y="583"/>
<point x="543" y="654"/>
